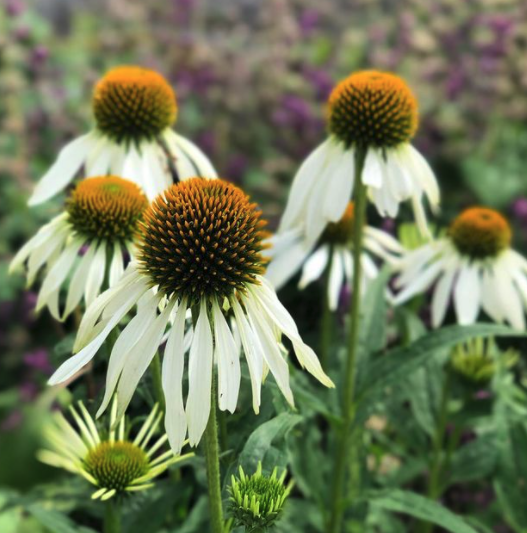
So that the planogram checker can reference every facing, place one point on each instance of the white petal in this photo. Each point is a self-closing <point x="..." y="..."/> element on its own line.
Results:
<point x="288" y="254"/>
<point x="253" y="353"/>
<point x="101" y="164"/>
<point x="200" y="378"/>
<point x="226" y="355"/>
<point x="467" y="295"/>
<point x="96" y="274"/>
<point x="442" y="293"/>
<point x="155" y="179"/>
<point x="129" y="337"/>
<point x="305" y="179"/>
<point x="271" y="352"/>
<point x="194" y="154"/>
<point x="508" y="296"/>
<point x="139" y="358"/>
<point x="69" y="161"/>
<point x="117" y="265"/>
<point x="78" y="280"/>
<point x="314" y="267"/>
<point x="132" y="169"/>
<point x="340" y="177"/>
<point x="372" y="173"/>
<point x="422" y="171"/>
<point x="421" y="282"/>
<point x="75" y="363"/>
<point x="336" y="280"/>
<point x="173" y="368"/>
<point x="58" y="273"/>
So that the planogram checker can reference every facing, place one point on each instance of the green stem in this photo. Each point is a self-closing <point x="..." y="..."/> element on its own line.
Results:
<point x="212" y="459"/>
<point x="434" y="481"/>
<point x="348" y="404"/>
<point x="155" y="369"/>
<point x="326" y="321"/>
<point x="222" y="423"/>
<point x="112" y="517"/>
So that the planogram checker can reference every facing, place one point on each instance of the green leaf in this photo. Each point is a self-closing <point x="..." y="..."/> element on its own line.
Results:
<point x="475" y="460"/>
<point x="56" y="522"/>
<point x="260" y="443"/>
<point x="399" y="363"/>
<point x="409" y="503"/>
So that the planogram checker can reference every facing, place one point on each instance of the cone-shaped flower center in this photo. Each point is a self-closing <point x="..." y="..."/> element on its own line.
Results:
<point x="340" y="232"/>
<point x="480" y="233"/>
<point x="372" y="109"/>
<point x="202" y="238"/>
<point x="106" y="207"/>
<point x="133" y="104"/>
<point x="114" y="465"/>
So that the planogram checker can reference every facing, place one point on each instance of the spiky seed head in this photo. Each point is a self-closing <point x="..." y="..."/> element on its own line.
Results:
<point x="132" y="104"/>
<point x="106" y="207"/>
<point x="372" y="109"/>
<point x="340" y="232"/>
<point x="114" y="465"/>
<point x="202" y="238"/>
<point x="256" y="501"/>
<point x="480" y="233"/>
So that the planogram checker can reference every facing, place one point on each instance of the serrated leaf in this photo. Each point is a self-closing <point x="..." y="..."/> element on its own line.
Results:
<point x="56" y="522"/>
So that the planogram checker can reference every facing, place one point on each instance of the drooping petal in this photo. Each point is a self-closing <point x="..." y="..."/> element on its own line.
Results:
<point x="198" y="158"/>
<point x="69" y="161"/>
<point x="442" y="293"/>
<point x="227" y="358"/>
<point x="314" y="267"/>
<point x="117" y="265"/>
<point x="173" y="368"/>
<point x="336" y="280"/>
<point x="96" y="273"/>
<point x="200" y="378"/>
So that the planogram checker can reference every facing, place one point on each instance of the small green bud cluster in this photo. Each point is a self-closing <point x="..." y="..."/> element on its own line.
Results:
<point x="256" y="501"/>
<point x="476" y="361"/>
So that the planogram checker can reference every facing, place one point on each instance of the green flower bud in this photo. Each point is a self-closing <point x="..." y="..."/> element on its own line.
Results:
<point x="476" y="361"/>
<point x="256" y="501"/>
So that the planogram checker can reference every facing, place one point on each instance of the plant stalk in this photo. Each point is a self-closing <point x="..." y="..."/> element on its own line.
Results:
<point x="326" y="320"/>
<point x="112" y="517"/>
<point x="348" y="403"/>
<point x="212" y="459"/>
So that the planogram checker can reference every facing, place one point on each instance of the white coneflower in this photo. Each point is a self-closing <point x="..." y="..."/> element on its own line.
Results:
<point x="334" y="248"/>
<point x="91" y="238"/>
<point x="475" y="264"/>
<point x="108" y="460"/>
<point x="134" y="110"/>
<point x="201" y="249"/>
<point x="372" y="112"/>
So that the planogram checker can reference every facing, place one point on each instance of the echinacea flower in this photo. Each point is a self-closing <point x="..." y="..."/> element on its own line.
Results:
<point x="473" y="263"/>
<point x="134" y="109"/>
<point x="334" y="249"/>
<point x="108" y="460"/>
<point x="93" y="236"/>
<point x="373" y="113"/>
<point x="201" y="250"/>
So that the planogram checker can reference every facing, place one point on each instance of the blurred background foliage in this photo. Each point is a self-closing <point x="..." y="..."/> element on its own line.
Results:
<point x="252" y="79"/>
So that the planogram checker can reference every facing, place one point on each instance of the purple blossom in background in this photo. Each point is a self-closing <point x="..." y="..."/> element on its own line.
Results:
<point x="207" y="142"/>
<point x="320" y="80"/>
<point x="28" y="391"/>
<point x="236" y="167"/>
<point x="308" y="22"/>
<point x="14" y="8"/>
<point x="39" y="56"/>
<point x="293" y="112"/>
<point x="38" y="360"/>
<point x="519" y="209"/>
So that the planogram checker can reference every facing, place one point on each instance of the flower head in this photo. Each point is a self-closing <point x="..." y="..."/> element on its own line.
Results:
<point x="372" y="118"/>
<point x="108" y="460"/>
<point x="213" y="233"/>
<point x="134" y="110"/>
<point x="257" y="501"/>
<point x="476" y="361"/>
<point x="200" y="251"/>
<point x="480" y="233"/>
<point x="97" y="229"/>
<point x="131" y="104"/>
<point x="474" y="263"/>
<point x="106" y="208"/>
<point x="372" y="109"/>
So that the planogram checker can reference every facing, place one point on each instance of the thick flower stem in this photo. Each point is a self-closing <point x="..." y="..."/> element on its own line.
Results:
<point x="212" y="459"/>
<point x="348" y="405"/>
<point x="112" y="517"/>
<point x="326" y="320"/>
<point x="155" y="368"/>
